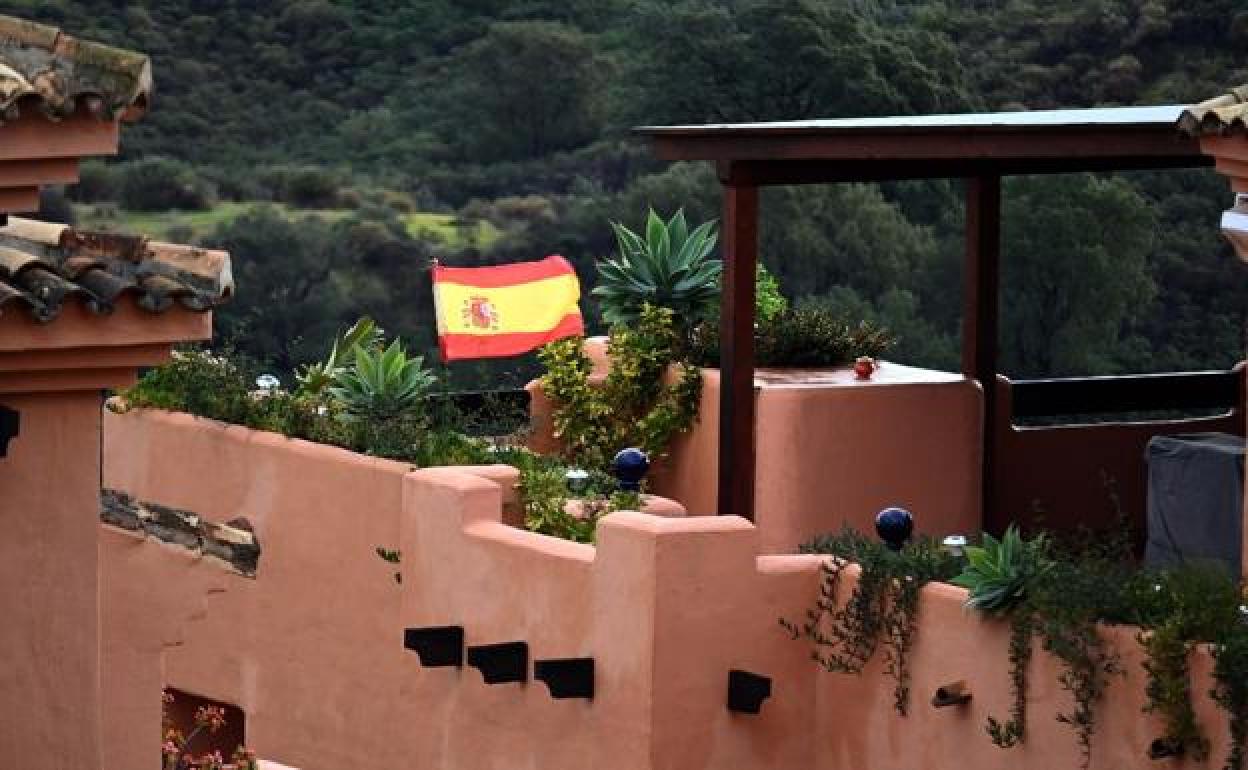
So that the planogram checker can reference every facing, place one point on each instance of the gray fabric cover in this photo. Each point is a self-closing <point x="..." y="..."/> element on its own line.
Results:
<point x="1195" y="499"/>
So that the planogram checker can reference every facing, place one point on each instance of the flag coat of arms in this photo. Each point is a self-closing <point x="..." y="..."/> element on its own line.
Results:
<point x="505" y="310"/>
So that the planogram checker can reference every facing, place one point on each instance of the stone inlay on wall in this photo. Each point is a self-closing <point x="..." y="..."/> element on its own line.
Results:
<point x="233" y="543"/>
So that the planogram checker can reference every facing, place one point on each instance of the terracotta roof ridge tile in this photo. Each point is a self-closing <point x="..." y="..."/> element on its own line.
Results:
<point x="41" y="65"/>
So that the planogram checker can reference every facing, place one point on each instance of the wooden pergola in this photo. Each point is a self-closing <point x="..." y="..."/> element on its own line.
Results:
<point x="979" y="148"/>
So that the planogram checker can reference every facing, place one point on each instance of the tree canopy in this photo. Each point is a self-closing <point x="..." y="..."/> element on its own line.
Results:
<point x="340" y="128"/>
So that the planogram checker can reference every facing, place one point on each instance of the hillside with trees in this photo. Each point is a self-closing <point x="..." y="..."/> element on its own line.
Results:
<point x="335" y="146"/>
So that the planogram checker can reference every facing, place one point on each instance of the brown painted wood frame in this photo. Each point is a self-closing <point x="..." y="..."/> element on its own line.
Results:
<point x="749" y="159"/>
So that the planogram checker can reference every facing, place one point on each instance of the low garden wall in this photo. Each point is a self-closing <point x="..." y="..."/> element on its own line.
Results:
<point x="312" y="647"/>
<point x="832" y="450"/>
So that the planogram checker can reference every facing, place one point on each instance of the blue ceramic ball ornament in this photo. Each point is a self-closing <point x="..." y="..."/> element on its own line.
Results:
<point x="894" y="526"/>
<point x="629" y="468"/>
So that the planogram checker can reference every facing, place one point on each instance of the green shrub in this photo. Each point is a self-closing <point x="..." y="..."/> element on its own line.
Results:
<point x="159" y="184"/>
<point x="669" y="268"/>
<point x="809" y="335"/>
<point x="308" y="187"/>
<point x="1060" y="596"/>
<point x="382" y="384"/>
<point x="380" y="416"/>
<point x="315" y="378"/>
<point x="768" y="301"/>
<point x="1000" y="572"/>
<point x="1230" y="672"/>
<point x="96" y="182"/>
<point x="633" y="406"/>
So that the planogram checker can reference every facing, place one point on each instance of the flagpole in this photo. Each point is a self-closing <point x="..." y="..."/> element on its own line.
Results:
<point x="444" y="363"/>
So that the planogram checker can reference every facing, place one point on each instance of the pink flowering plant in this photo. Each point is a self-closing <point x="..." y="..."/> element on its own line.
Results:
<point x="175" y="750"/>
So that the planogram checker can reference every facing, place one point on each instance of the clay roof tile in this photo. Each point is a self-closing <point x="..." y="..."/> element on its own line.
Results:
<point x="58" y="74"/>
<point x="43" y="265"/>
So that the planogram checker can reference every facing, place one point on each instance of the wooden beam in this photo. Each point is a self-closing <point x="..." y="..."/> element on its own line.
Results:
<point x="736" y="352"/>
<point x="1035" y="147"/>
<point x="980" y="315"/>
<point x="1127" y="393"/>
<point x="800" y="172"/>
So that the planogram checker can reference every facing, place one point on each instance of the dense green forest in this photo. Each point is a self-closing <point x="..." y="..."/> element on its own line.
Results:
<point x="334" y="146"/>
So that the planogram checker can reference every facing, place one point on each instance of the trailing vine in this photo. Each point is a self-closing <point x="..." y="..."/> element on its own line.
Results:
<point x="1181" y="607"/>
<point x="1012" y="732"/>
<point x="881" y="608"/>
<point x="1169" y="691"/>
<point x="1087" y="664"/>
<point x="1230" y="672"/>
<point x="1057" y="596"/>
<point x="1059" y="600"/>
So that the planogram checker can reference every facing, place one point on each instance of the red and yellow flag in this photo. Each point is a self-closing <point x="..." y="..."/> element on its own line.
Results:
<point x="486" y="312"/>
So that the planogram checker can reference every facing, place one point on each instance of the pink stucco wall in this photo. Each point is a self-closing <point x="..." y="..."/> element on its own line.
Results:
<point x="311" y="648"/>
<point x="832" y="450"/>
<point x="49" y="677"/>
<point x="50" y="605"/>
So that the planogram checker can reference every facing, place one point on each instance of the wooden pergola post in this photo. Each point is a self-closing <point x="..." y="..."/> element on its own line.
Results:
<point x="980" y="148"/>
<point x="981" y="311"/>
<point x="736" y="350"/>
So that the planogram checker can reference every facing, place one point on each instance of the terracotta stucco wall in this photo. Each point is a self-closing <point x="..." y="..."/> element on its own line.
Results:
<point x="35" y="152"/>
<point x="312" y="650"/>
<point x="833" y="451"/>
<point x="49" y="644"/>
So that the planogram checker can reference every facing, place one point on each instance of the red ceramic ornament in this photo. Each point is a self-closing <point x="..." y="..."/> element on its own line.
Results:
<point x="864" y="367"/>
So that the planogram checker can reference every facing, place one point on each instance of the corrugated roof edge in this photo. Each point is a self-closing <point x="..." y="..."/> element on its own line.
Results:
<point x="41" y="65"/>
<point x="1224" y="115"/>
<point x="1072" y="119"/>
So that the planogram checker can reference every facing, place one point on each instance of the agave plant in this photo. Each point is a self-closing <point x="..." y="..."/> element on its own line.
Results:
<point x="381" y="384"/>
<point x="315" y="378"/>
<point x="668" y="267"/>
<point x="999" y="572"/>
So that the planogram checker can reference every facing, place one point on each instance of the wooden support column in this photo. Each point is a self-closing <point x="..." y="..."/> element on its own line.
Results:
<point x="736" y="351"/>
<point x="980" y="316"/>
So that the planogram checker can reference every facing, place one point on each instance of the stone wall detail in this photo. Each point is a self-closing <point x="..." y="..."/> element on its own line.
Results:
<point x="232" y="543"/>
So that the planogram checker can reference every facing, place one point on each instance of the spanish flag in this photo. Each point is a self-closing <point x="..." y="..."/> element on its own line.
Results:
<point x="488" y="312"/>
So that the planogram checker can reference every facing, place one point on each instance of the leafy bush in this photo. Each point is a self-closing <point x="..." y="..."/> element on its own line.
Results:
<point x="768" y="301"/>
<point x="668" y="268"/>
<point x="1230" y="671"/>
<point x="160" y="184"/>
<point x="308" y="187"/>
<point x="809" y="335"/>
<point x="633" y="406"/>
<point x="96" y="182"/>
<point x="365" y="398"/>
